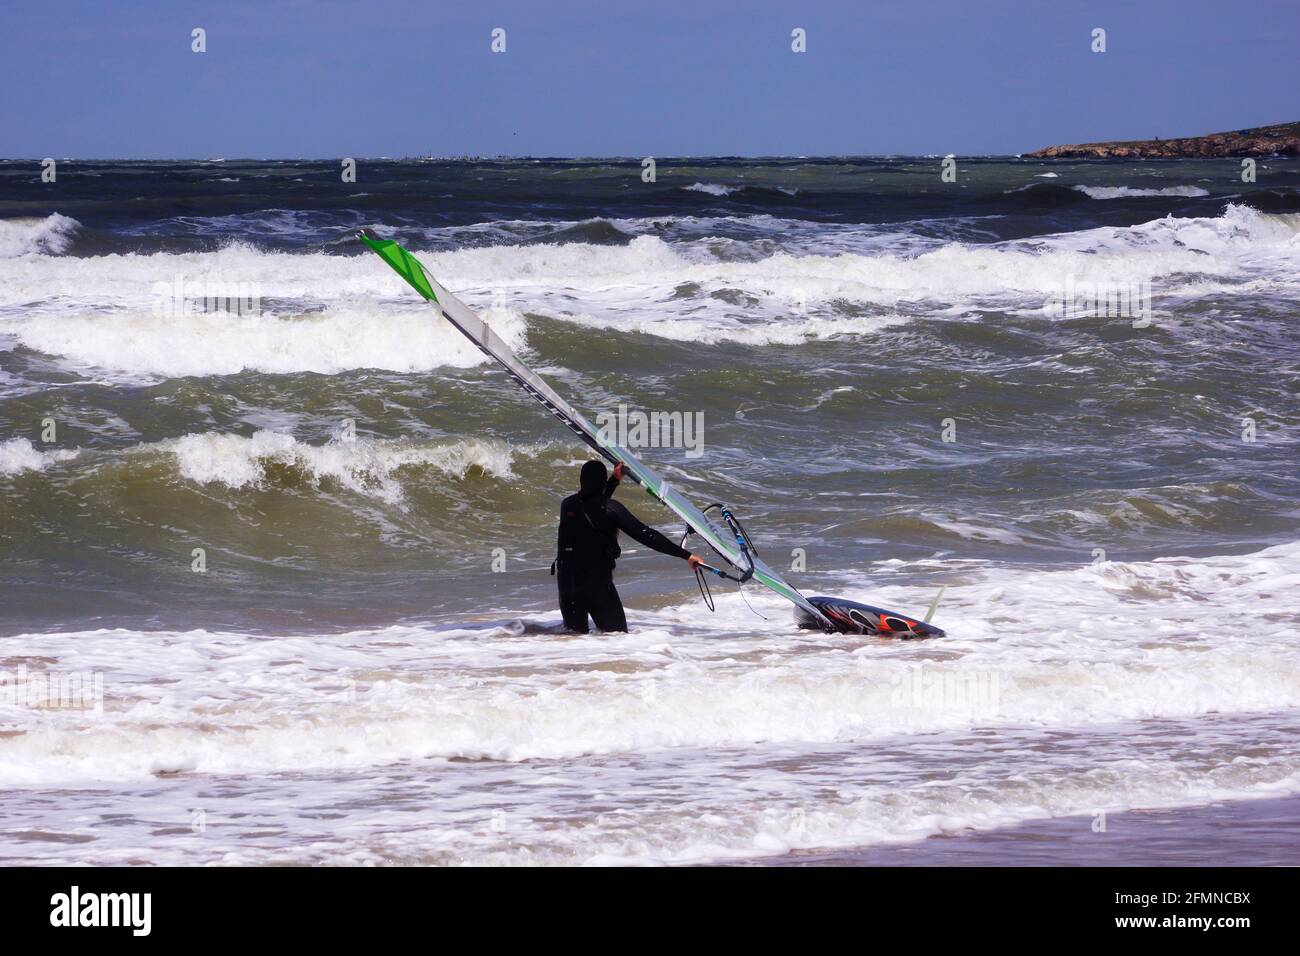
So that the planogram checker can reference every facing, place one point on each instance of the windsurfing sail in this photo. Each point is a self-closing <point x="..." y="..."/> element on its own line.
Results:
<point x="732" y="544"/>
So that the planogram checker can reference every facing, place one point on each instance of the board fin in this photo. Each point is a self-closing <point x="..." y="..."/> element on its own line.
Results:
<point x="934" y="605"/>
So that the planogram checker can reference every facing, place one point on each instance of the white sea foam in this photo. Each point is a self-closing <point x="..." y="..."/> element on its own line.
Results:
<point x="1061" y="649"/>
<point x="51" y="235"/>
<point x="365" y="466"/>
<point x="320" y="314"/>
<point x="19" y="454"/>
<point x="712" y="189"/>
<point x="340" y="338"/>
<point x="1126" y="192"/>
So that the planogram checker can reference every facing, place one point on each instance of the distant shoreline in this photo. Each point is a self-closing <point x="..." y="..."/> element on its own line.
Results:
<point x="1282" y="139"/>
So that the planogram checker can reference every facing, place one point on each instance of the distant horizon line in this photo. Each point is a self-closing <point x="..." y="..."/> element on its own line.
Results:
<point x="505" y="156"/>
<point x="619" y="156"/>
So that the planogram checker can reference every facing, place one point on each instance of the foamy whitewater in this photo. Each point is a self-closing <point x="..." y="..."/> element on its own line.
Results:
<point x="275" y="583"/>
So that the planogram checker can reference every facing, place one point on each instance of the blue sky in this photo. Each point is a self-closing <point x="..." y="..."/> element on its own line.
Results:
<point x="662" y="78"/>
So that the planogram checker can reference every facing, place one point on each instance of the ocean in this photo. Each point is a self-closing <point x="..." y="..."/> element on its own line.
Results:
<point x="274" y="540"/>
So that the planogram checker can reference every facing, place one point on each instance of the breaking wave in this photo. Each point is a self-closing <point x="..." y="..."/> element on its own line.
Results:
<point x="1125" y="192"/>
<point x="365" y="466"/>
<point x="52" y="236"/>
<point x="19" y="454"/>
<point x="327" y="314"/>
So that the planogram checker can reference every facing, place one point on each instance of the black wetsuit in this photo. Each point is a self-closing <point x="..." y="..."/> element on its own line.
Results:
<point x="588" y="547"/>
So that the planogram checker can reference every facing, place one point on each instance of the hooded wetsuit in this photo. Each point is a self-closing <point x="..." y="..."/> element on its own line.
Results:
<point x="587" y="549"/>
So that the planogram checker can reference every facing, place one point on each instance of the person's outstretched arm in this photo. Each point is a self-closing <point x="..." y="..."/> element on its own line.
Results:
<point x="642" y="532"/>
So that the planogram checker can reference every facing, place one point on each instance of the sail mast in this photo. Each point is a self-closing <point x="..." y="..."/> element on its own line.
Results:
<point x="731" y="547"/>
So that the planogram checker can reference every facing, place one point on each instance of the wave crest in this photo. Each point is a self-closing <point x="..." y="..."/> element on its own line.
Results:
<point x="19" y="454"/>
<point x="365" y="466"/>
<point x="51" y="236"/>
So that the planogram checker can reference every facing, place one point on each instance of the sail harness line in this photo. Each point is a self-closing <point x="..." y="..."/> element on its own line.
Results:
<point x="740" y="554"/>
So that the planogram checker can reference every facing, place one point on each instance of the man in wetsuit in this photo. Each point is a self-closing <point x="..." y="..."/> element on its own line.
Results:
<point x="588" y="547"/>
